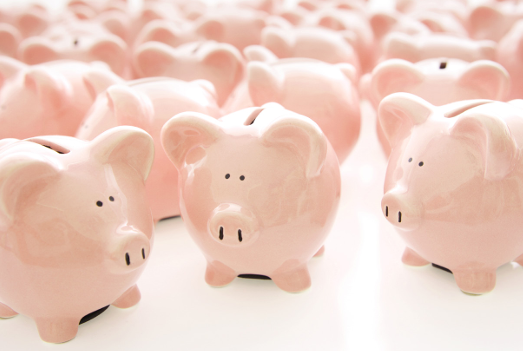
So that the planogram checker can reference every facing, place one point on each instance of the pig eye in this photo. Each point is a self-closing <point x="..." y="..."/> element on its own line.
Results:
<point x="242" y="178"/>
<point x="111" y="198"/>
<point x="410" y="159"/>
<point x="421" y="164"/>
<point x="227" y="176"/>
<point x="99" y="203"/>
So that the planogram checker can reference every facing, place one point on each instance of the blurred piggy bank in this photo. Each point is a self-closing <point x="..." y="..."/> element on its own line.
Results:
<point x="148" y="104"/>
<point x="76" y="40"/>
<point x="452" y="185"/>
<point x="260" y="189"/>
<point x="171" y="32"/>
<point x="74" y="226"/>
<point x="219" y="63"/>
<point x="324" y="92"/>
<point x="510" y="55"/>
<point x="48" y="98"/>
<point x="493" y="20"/>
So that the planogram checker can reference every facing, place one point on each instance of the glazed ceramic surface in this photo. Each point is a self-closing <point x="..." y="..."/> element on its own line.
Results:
<point x="148" y="103"/>
<point x="510" y="55"/>
<point x="323" y="92"/>
<point x="171" y="32"/>
<point x="259" y="191"/>
<point x="453" y="184"/>
<point x="75" y="230"/>
<point x="48" y="98"/>
<point x="493" y="20"/>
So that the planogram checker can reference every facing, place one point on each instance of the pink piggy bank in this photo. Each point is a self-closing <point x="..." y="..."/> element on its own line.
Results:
<point x="510" y="55"/>
<point x="171" y="32"/>
<point x="48" y="98"/>
<point x="452" y="185"/>
<point x="493" y="20"/>
<point x="148" y="104"/>
<point x="259" y="191"/>
<point x="221" y="64"/>
<point x="325" y="92"/>
<point x="75" y="226"/>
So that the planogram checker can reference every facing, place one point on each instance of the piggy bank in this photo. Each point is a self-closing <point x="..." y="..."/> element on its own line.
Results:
<point x="325" y="92"/>
<point x="259" y="191"/>
<point x="493" y="20"/>
<point x="510" y="55"/>
<point x="219" y="63"/>
<point x="49" y="98"/>
<point x="385" y="22"/>
<point x="422" y="47"/>
<point x="76" y="40"/>
<point x="75" y="226"/>
<point x="171" y="32"/>
<point x="148" y="103"/>
<point x="452" y="185"/>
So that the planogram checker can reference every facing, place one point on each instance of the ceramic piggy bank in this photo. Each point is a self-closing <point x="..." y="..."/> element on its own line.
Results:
<point x="221" y="64"/>
<point x="452" y="185"/>
<point x="510" y="55"/>
<point x="259" y="190"/>
<point x="148" y="103"/>
<point x="325" y="92"/>
<point x="493" y="20"/>
<point x="49" y="98"/>
<point x="171" y="32"/>
<point x="75" y="227"/>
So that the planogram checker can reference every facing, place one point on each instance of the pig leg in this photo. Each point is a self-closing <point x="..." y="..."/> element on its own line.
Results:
<point x="519" y="260"/>
<point x="293" y="280"/>
<point x="411" y="258"/>
<point x="475" y="282"/>
<point x="6" y="312"/>
<point x="217" y="274"/>
<point x="57" y="330"/>
<point x="320" y="252"/>
<point x="129" y="298"/>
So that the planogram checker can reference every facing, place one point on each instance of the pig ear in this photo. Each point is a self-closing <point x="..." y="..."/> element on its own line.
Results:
<point x="259" y="53"/>
<point x="278" y="41"/>
<point x="128" y="145"/>
<point x="34" y="51"/>
<point x="115" y="22"/>
<point x="207" y="86"/>
<point x="130" y="107"/>
<point x="212" y="29"/>
<point x="294" y="16"/>
<point x="332" y="22"/>
<point x="393" y="75"/>
<point x="399" y="112"/>
<point x="349" y="71"/>
<point x="226" y="58"/>
<point x="399" y="45"/>
<point x="185" y="131"/>
<point x="10" y="37"/>
<point x="8" y="68"/>
<point x="97" y="81"/>
<point x="33" y="22"/>
<point x="264" y="83"/>
<point x="160" y="31"/>
<point x="153" y="59"/>
<point x="51" y="89"/>
<point x="381" y="23"/>
<point x="303" y="137"/>
<point x="112" y="51"/>
<point x="489" y="76"/>
<point x="17" y="172"/>
<point x="482" y="18"/>
<point x="493" y="138"/>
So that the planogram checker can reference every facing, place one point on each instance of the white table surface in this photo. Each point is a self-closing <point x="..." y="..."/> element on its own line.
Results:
<point x="362" y="296"/>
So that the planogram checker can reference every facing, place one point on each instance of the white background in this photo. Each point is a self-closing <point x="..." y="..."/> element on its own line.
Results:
<point x="362" y="296"/>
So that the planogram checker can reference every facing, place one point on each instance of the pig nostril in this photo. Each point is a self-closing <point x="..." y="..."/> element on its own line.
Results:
<point x="386" y="211"/>
<point x="221" y="233"/>
<point x="240" y="235"/>
<point x="127" y="259"/>
<point x="399" y="217"/>
<point x="143" y="253"/>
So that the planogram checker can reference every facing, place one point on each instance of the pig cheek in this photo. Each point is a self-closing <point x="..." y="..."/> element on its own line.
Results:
<point x="197" y="195"/>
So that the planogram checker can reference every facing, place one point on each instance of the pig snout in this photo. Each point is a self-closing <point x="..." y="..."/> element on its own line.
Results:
<point x="399" y="212"/>
<point x="131" y="250"/>
<point x="233" y="225"/>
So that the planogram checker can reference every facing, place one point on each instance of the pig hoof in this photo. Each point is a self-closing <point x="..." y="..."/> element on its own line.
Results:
<point x="6" y="312"/>
<point x="411" y="258"/>
<point x="294" y="281"/>
<point x="217" y="274"/>
<point x="129" y="298"/>
<point x="474" y="282"/>
<point x="320" y="252"/>
<point x="57" y="331"/>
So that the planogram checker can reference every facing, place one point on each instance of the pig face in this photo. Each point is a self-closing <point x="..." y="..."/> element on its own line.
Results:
<point x="417" y="48"/>
<point x="80" y="41"/>
<point x="221" y="64"/>
<point x="324" y="92"/>
<point x="75" y="213"/>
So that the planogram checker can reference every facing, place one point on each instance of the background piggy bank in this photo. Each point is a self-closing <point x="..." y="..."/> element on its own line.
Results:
<point x="219" y="63"/>
<point x="49" y="98"/>
<point x="259" y="189"/>
<point x="493" y="20"/>
<point x="451" y="188"/>
<point x="75" y="226"/>
<point x="510" y="55"/>
<point x="323" y="91"/>
<point x="171" y="32"/>
<point x="148" y="104"/>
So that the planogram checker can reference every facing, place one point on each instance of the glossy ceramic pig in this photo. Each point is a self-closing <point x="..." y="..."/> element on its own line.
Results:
<point x="259" y="191"/>
<point x="325" y="92"/>
<point x="385" y="22"/>
<point x="148" y="104"/>
<point x="75" y="227"/>
<point x="170" y="32"/>
<point x="306" y="42"/>
<point x="510" y="55"/>
<point x="422" y="47"/>
<point x="493" y="20"/>
<point x="49" y="98"/>
<point x="219" y="63"/>
<point x="452" y="185"/>
<point x="29" y="20"/>
<point x="76" y="40"/>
